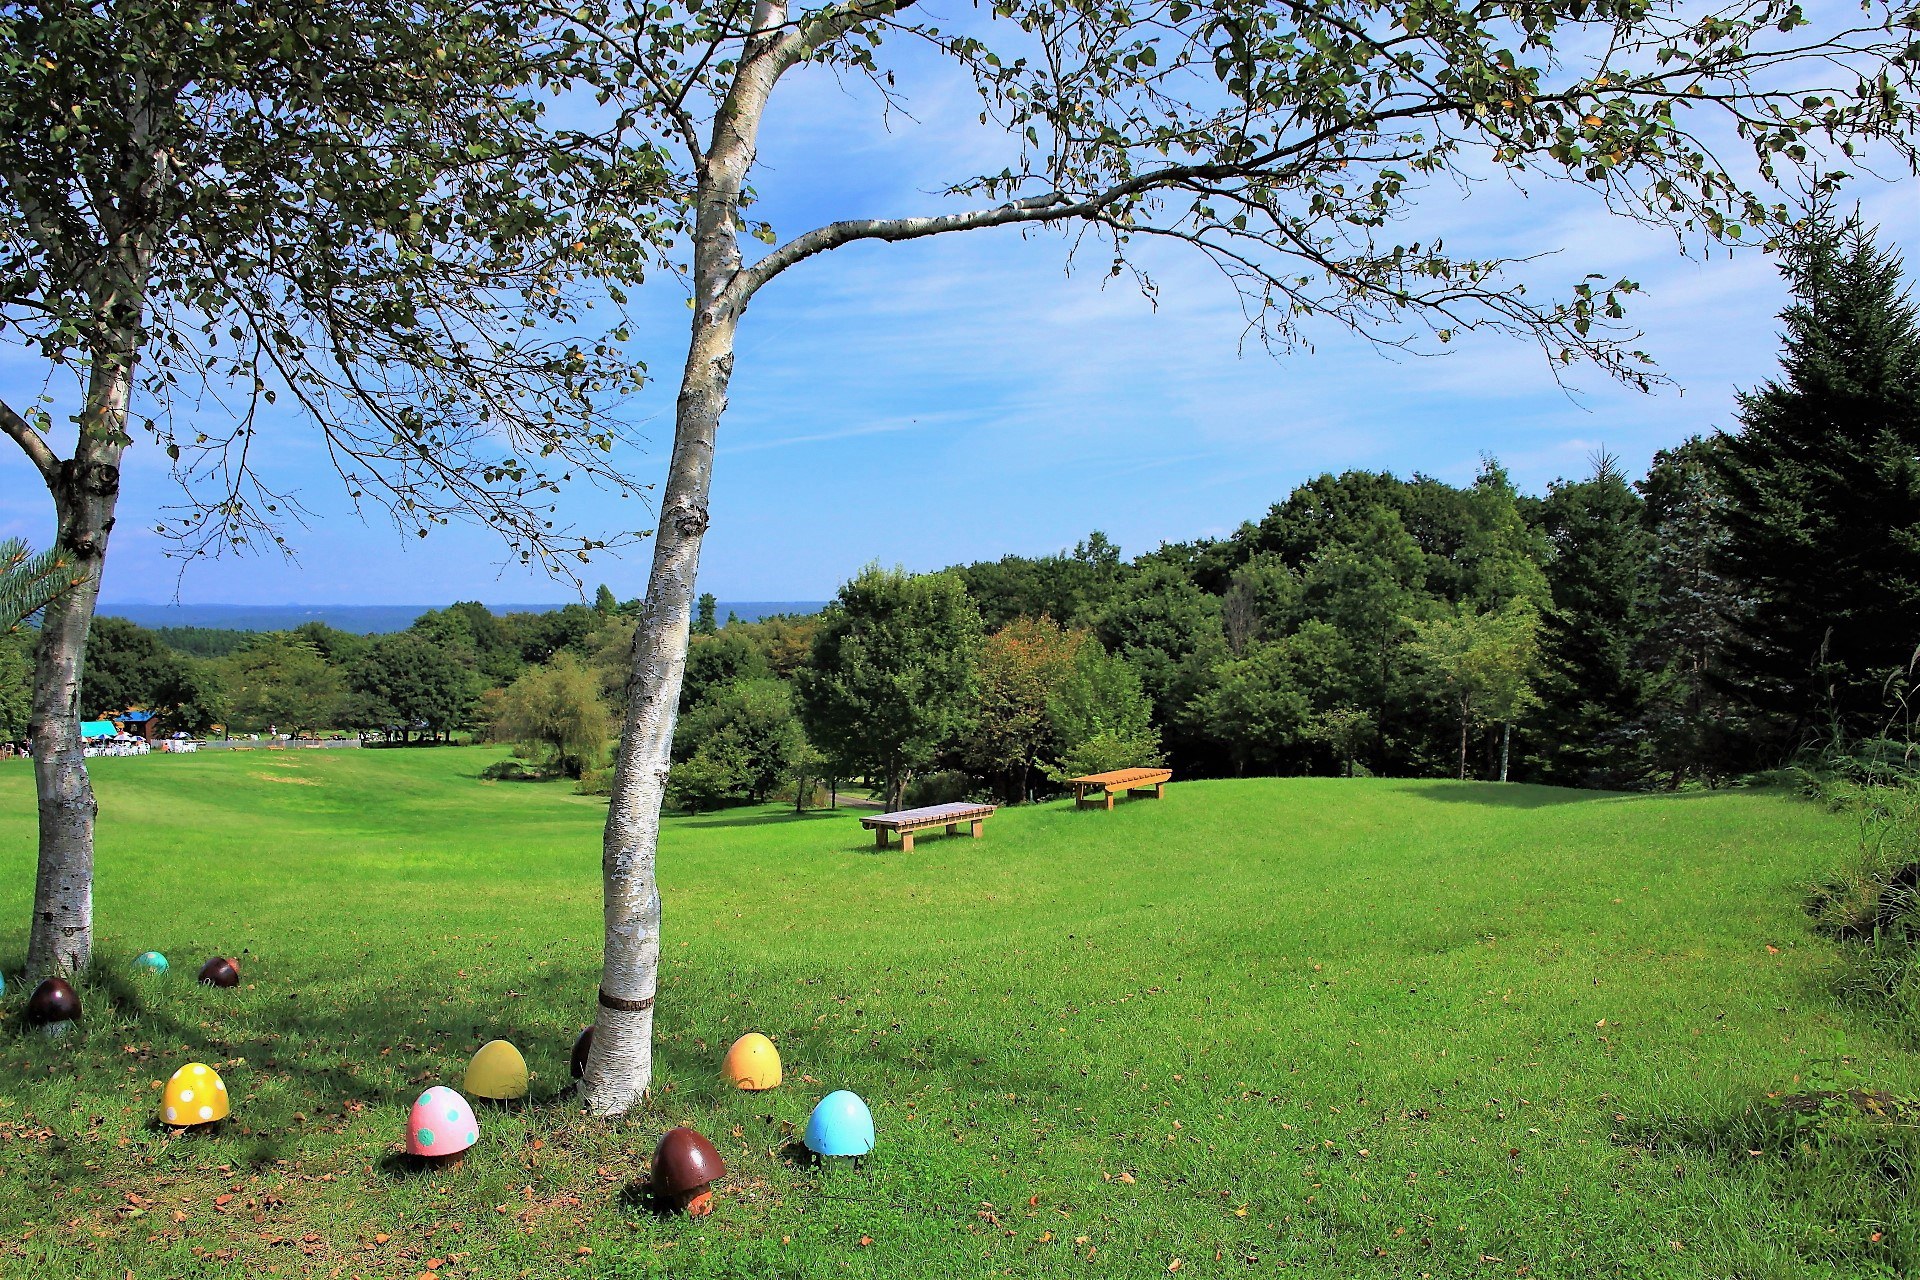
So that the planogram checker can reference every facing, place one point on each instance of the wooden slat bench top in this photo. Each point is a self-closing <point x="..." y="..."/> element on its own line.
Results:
<point x="908" y="821"/>
<point x="933" y="815"/>
<point x="1124" y="778"/>
<point x="1104" y="786"/>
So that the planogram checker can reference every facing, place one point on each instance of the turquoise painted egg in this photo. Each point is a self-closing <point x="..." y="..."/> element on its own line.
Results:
<point x="840" y="1126"/>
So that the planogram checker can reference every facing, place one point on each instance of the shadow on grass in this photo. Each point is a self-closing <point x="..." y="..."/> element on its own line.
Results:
<point x="737" y="819"/>
<point x="302" y="1069"/>
<point x="1852" y="1155"/>
<point x="1506" y="795"/>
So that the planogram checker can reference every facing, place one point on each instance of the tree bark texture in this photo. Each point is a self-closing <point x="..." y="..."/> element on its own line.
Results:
<point x="1464" y="716"/>
<point x="85" y="493"/>
<point x="620" y="1064"/>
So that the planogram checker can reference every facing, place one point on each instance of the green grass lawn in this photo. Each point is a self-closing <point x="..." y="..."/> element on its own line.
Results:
<point x="1343" y="1028"/>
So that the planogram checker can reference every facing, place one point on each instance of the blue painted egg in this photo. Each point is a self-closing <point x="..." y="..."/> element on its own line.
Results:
<point x="150" y="962"/>
<point x="840" y="1126"/>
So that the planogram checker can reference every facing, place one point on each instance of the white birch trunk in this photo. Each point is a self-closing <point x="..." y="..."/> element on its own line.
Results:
<point x="84" y="493"/>
<point x="620" y="1064"/>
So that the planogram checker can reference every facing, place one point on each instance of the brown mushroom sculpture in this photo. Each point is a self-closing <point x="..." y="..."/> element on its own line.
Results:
<point x="685" y="1167"/>
<point x="220" y="972"/>
<point x="53" y="1007"/>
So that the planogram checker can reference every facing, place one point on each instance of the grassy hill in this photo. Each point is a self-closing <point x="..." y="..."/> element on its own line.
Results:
<point x="1348" y="1028"/>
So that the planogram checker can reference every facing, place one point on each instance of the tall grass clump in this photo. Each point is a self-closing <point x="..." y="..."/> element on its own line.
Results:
<point x="1871" y="906"/>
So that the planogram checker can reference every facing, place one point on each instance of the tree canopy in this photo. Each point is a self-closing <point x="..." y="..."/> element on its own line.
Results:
<point x="1822" y="505"/>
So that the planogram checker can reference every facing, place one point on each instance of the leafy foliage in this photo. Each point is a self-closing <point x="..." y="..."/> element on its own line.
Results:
<point x="1485" y="662"/>
<point x="1011" y="731"/>
<point x="1591" y="730"/>
<point x="892" y="676"/>
<point x="558" y="709"/>
<point x="128" y="668"/>
<point x="274" y="209"/>
<point x="741" y="742"/>
<point x="281" y="683"/>
<point x="414" y="684"/>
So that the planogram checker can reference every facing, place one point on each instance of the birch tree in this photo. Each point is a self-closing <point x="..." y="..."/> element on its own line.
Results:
<point x="1286" y="142"/>
<point x="355" y="209"/>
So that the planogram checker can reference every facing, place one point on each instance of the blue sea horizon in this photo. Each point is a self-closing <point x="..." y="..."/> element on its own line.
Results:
<point x="373" y="619"/>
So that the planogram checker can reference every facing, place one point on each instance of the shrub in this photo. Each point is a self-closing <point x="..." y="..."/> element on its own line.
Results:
<point x="511" y="770"/>
<point x="700" y="784"/>
<point x="1108" y="749"/>
<point x="943" y="787"/>
<point x="1872" y="906"/>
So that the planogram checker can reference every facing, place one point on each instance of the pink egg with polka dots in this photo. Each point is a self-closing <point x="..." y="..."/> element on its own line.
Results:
<point x="441" y="1124"/>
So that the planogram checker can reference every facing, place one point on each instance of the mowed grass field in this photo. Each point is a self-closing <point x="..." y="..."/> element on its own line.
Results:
<point x="1335" y="1028"/>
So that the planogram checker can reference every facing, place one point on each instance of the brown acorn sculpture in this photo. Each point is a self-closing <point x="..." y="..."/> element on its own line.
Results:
<point x="53" y="1007"/>
<point x="685" y="1167"/>
<point x="220" y="972"/>
<point x="581" y="1048"/>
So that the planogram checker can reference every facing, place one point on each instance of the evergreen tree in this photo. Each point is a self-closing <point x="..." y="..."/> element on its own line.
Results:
<point x="705" y="623"/>
<point x="1694" y="729"/>
<point x="27" y="582"/>
<point x="1589" y="730"/>
<point x="1823" y="497"/>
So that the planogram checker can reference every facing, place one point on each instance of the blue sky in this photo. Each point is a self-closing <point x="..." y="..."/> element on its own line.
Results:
<point x="963" y="397"/>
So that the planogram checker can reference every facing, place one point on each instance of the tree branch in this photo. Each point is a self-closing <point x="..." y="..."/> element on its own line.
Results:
<point x="45" y="461"/>
<point x="829" y="25"/>
<point x="1054" y="206"/>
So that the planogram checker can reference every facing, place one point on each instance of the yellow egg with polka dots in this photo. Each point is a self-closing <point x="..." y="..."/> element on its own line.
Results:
<point x="195" y="1095"/>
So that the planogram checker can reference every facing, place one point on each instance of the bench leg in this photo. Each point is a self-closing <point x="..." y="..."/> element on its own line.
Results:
<point x="880" y="837"/>
<point x="979" y="827"/>
<point x="953" y="828"/>
<point x="906" y="842"/>
<point x="1109" y="802"/>
<point x="1159" y="791"/>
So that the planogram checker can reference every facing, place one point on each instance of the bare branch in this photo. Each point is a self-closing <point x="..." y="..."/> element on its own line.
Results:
<point x="31" y="443"/>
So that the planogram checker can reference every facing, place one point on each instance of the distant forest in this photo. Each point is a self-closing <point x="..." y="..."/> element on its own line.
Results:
<point x="1755" y="595"/>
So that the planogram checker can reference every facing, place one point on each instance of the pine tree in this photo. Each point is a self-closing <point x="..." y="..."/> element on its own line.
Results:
<point x="1696" y="731"/>
<point x="1823" y="497"/>
<point x="1588" y="732"/>
<point x="27" y="582"/>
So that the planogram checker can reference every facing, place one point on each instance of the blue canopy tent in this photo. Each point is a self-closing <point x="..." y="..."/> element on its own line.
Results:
<point x="90" y="729"/>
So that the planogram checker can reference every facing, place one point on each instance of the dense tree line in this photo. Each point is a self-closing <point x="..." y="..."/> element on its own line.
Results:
<point x="1751" y="596"/>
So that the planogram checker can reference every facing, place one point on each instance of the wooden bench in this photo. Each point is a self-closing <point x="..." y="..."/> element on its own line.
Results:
<point x="1135" y="782"/>
<point x="908" y="821"/>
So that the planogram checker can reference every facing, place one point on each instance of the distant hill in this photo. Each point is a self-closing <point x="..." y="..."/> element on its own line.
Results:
<point x="365" y="619"/>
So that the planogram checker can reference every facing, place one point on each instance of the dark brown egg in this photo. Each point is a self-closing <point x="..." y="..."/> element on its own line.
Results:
<point x="683" y="1162"/>
<point x="53" y="1001"/>
<point x="581" y="1048"/>
<point x="220" y="972"/>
